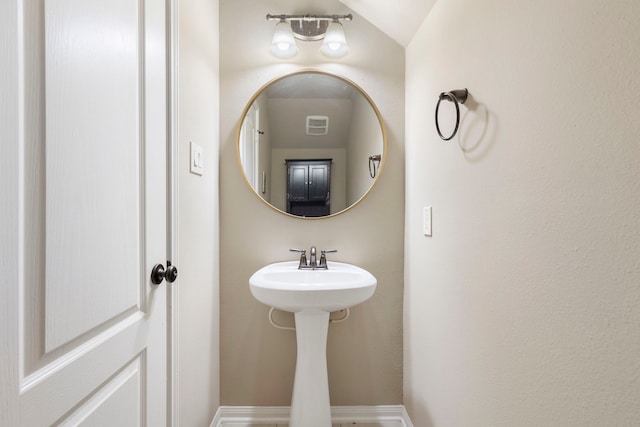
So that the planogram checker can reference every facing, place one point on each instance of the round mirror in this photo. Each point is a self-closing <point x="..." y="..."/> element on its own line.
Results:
<point x="311" y="144"/>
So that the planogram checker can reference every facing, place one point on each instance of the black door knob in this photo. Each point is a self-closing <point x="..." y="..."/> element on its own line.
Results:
<point x="159" y="273"/>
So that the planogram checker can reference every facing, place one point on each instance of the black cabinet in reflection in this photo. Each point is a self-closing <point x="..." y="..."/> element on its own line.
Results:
<point x="308" y="187"/>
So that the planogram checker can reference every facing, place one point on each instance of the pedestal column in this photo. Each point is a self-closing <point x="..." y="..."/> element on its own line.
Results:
<point x="310" y="405"/>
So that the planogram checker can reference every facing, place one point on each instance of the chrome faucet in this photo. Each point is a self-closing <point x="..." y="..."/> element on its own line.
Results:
<point x="313" y="263"/>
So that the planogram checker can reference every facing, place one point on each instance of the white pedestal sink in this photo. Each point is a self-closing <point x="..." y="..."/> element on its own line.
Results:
<point x="311" y="295"/>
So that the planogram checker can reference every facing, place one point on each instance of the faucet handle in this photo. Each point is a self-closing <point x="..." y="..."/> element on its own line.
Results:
<point x="323" y="257"/>
<point x="303" y="257"/>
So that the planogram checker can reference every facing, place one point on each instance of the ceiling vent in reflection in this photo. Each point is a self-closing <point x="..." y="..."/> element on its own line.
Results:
<point x="317" y="125"/>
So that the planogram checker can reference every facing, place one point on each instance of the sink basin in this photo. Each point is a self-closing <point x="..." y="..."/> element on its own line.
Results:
<point x="283" y="286"/>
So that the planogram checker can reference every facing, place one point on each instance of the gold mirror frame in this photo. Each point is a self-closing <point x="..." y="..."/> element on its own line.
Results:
<point x="364" y="94"/>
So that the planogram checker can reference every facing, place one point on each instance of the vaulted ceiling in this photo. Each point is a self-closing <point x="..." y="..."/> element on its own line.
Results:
<point x="399" y="19"/>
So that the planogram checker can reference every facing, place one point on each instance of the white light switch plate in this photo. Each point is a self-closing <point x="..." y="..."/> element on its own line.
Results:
<point x="196" y="160"/>
<point x="426" y="220"/>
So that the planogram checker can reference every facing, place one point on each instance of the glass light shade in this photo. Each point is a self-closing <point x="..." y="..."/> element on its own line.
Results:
<point x="335" y="42"/>
<point x="283" y="44"/>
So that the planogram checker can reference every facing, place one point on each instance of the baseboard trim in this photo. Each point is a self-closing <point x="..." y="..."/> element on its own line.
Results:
<point x="339" y="414"/>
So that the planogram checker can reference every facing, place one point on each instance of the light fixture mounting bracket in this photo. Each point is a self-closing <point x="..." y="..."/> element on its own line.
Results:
<point x="309" y="27"/>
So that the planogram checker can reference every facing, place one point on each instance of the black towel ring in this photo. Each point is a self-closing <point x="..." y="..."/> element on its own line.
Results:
<point x="458" y="96"/>
<point x="374" y="164"/>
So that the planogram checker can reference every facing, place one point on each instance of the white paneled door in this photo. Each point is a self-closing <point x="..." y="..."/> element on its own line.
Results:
<point x="84" y="213"/>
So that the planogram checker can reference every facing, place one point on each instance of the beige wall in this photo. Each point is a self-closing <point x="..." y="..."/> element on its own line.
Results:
<point x="198" y="284"/>
<point x="523" y="309"/>
<point x="365" y="353"/>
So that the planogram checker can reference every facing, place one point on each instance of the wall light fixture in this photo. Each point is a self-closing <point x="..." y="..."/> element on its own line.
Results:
<point x="309" y="28"/>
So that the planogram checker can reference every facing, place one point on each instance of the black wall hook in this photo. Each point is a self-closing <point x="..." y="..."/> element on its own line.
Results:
<point x="458" y="96"/>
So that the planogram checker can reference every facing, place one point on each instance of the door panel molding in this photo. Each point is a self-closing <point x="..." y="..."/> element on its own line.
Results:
<point x="90" y="348"/>
<point x="115" y="399"/>
<point x="38" y="236"/>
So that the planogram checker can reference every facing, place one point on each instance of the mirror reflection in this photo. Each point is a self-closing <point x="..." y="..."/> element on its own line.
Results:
<point x="311" y="144"/>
